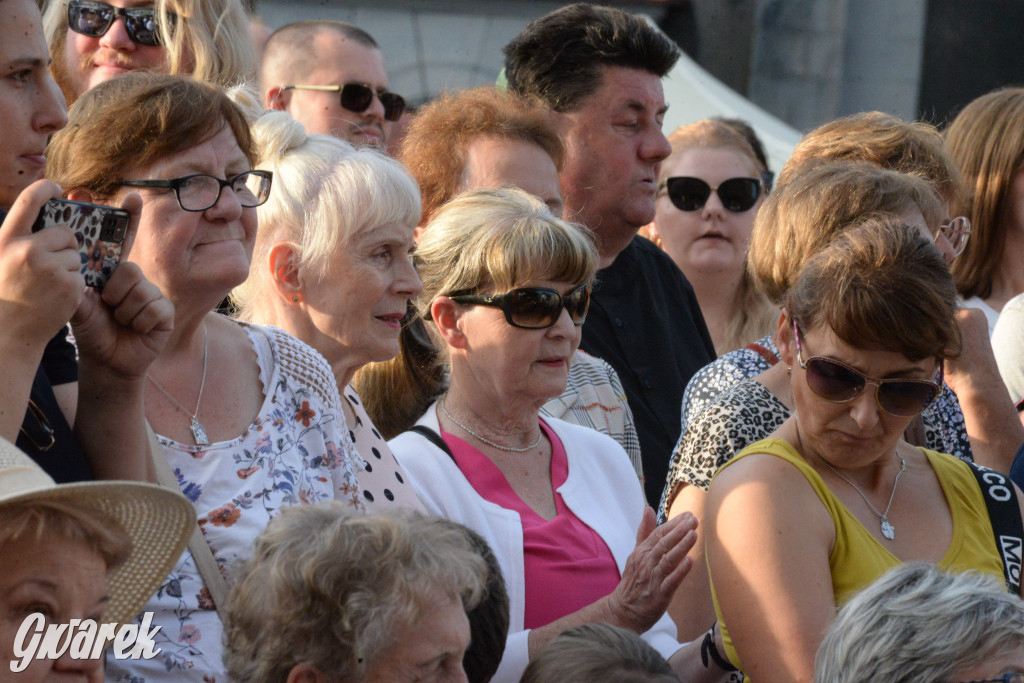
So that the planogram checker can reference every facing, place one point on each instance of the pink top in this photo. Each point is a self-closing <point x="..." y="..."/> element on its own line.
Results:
<point x="567" y="566"/>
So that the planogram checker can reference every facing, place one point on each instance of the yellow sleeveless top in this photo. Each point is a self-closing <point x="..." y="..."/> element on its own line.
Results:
<point x="858" y="558"/>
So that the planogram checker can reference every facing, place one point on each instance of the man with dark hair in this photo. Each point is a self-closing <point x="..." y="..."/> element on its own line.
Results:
<point x="601" y="70"/>
<point x="330" y="77"/>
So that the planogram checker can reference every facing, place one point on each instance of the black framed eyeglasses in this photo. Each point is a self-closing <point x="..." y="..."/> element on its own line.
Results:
<point x="837" y="382"/>
<point x="93" y="18"/>
<point x="534" y="308"/>
<point x="358" y="97"/>
<point x="691" y="194"/>
<point x="199" y="192"/>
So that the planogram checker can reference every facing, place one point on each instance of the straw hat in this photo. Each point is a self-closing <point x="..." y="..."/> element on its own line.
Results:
<point x="158" y="520"/>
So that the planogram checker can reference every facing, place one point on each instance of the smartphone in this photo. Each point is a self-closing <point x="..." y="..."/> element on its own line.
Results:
<point x="100" y="231"/>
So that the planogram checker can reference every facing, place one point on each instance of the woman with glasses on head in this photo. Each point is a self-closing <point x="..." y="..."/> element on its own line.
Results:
<point x="248" y="418"/>
<point x="506" y="287"/>
<point x="92" y="41"/>
<point x="710" y="190"/>
<point x="797" y="523"/>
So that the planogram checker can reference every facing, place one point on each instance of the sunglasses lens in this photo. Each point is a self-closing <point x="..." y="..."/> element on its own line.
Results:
<point x="578" y="303"/>
<point x="739" y="194"/>
<point x="832" y="381"/>
<point x="906" y="398"/>
<point x="533" y="308"/>
<point x="688" y="194"/>
<point x="356" y="97"/>
<point x="142" y="26"/>
<point x="89" y="19"/>
<point x="394" y="105"/>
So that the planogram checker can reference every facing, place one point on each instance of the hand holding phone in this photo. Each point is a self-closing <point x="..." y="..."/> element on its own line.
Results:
<point x="100" y="231"/>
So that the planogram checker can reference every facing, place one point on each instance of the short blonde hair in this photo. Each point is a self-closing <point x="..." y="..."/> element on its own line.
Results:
<point x="332" y="589"/>
<point x="884" y="140"/>
<point x="210" y="41"/>
<point x="31" y="522"/>
<point x="326" y="193"/>
<point x="805" y="213"/>
<point x="987" y="141"/>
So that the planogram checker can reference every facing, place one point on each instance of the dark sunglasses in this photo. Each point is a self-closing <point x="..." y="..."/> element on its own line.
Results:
<point x="358" y="97"/>
<point x="534" y="308"/>
<point x="690" y="194"/>
<point x="92" y="18"/>
<point x="839" y="383"/>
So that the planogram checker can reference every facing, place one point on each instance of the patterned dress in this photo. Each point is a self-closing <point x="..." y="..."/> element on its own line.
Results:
<point x="297" y="451"/>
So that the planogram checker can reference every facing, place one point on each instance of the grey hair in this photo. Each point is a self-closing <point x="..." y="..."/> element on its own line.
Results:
<point x="333" y="589"/>
<point x="599" y="653"/>
<point x="326" y="192"/>
<point x="918" y="623"/>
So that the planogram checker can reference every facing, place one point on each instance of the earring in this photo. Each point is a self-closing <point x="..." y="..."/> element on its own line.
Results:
<point x="789" y="370"/>
<point x="295" y="299"/>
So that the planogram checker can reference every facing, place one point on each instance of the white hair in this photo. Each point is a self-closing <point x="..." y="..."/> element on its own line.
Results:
<point x="325" y="193"/>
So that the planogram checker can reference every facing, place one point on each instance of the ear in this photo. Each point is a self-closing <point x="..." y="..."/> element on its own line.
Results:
<point x="283" y="261"/>
<point x="305" y="673"/>
<point x="446" y="314"/>
<point x="82" y="196"/>
<point x="651" y="230"/>
<point x="277" y="99"/>
<point x="417" y="232"/>
<point x="784" y="339"/>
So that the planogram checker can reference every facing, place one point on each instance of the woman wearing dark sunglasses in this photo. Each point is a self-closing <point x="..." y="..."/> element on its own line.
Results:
<point x="506" y="287"/>
<point x="799" y="522"/>
<point x="93" y="40"/>
<point x="710" y="189"/>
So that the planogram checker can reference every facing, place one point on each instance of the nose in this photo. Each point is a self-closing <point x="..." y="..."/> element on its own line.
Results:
<point x="564" y="326"/>
<point x="864" y="409"/>
<point x="655" y="147"/>
<point x="51" y="112"/>
<point x="90" y="669"/>
<point x="713" y="206"/>
<point x="116" y="37"/>
<point x="375" y="111"/>
<point x="228" y="206"/>
<point x="408" y="282"/>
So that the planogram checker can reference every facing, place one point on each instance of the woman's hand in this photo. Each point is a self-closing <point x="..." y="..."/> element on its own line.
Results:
<point x="653" y="571"/>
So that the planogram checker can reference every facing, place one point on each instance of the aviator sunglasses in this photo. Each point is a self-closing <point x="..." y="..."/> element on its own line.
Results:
<point x="690" y="194"/>
<point x="92" y="18"/>
<point x="358" y="97"/>
<point x="838" y="382"/>
<point x="534" y="308"/>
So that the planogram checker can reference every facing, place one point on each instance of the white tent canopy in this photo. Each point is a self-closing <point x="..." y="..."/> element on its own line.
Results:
<point x="692" y="93"/>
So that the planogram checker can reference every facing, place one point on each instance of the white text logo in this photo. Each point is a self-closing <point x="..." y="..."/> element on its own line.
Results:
<point x="82" y="639"/>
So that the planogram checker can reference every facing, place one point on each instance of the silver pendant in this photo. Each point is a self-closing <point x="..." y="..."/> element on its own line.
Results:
<point x="888" y="530"/>
<point x="198" y="433"/>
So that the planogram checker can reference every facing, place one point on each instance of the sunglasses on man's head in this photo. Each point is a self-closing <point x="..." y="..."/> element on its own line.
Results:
<point x="358" y="97"/>
<point x="534" y="308"/>
<point x="93" y="18"/>
<point x="691" y="194"/>
<point x="838" y="382"/>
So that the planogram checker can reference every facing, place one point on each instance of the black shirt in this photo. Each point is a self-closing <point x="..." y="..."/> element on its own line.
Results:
<point x="645" y="322"/>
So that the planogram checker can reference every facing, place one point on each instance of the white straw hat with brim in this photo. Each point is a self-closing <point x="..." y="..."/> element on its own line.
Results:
<point x="158" y="521"/>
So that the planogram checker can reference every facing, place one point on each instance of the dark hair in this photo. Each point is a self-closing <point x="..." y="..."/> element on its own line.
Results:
<point x="748" y="132"/>
<point x="598" y="653"/>
<point x="558" y="58"/>
<point x="135" y="120"/>
<point x="880" y="284"/>
<point x="290" y="52"/>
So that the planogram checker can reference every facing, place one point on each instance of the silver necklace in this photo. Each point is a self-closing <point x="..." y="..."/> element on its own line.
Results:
<point x="888" y="530"/>
<point x="488" y="441"/>
<point x="198" y="432"/>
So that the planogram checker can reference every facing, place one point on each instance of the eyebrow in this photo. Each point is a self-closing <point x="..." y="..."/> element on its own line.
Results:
<point x="33" y="62"/>
<point x="636" y="105"/>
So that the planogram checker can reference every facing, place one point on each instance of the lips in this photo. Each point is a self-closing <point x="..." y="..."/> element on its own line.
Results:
<point x="393" y="320"/>
<point x="37" y="159"/>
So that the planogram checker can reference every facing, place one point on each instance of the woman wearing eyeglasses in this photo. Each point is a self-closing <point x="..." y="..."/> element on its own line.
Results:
<point x="710" y="189"/>
<point x="92" y="41"/>
<point x="797" y="523"/>
<point x="506" y="287"/>
<point x="248" y="418"/>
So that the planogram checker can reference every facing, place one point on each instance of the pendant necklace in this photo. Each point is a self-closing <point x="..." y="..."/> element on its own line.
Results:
<point x="888" y="530"/>
<point x="198" y="431"/>
<point x="488" y="441"/>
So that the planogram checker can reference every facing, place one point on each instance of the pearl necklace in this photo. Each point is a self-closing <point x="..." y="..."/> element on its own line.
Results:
<point x="888" y="530"/>
<point x="488" y="441"/>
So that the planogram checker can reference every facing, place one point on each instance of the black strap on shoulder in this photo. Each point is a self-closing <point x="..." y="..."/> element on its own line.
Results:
<point x="1004" y="513"/>
<point x="434" y="438"/>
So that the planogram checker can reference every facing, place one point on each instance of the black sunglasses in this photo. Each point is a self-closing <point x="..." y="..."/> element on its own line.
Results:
<point x="92" y="18"/>
<point x="199" y="191"/>
<point x="534" y="308"/>
<point x="358" y="97"/>
<point x="838" y="382"/>
<point x="690" y="194"/>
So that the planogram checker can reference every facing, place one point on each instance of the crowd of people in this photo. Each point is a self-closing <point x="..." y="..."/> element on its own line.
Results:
<point x="511" y="387"/>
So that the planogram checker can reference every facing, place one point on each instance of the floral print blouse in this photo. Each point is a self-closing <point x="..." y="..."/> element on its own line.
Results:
<point x="297" y="451"/>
